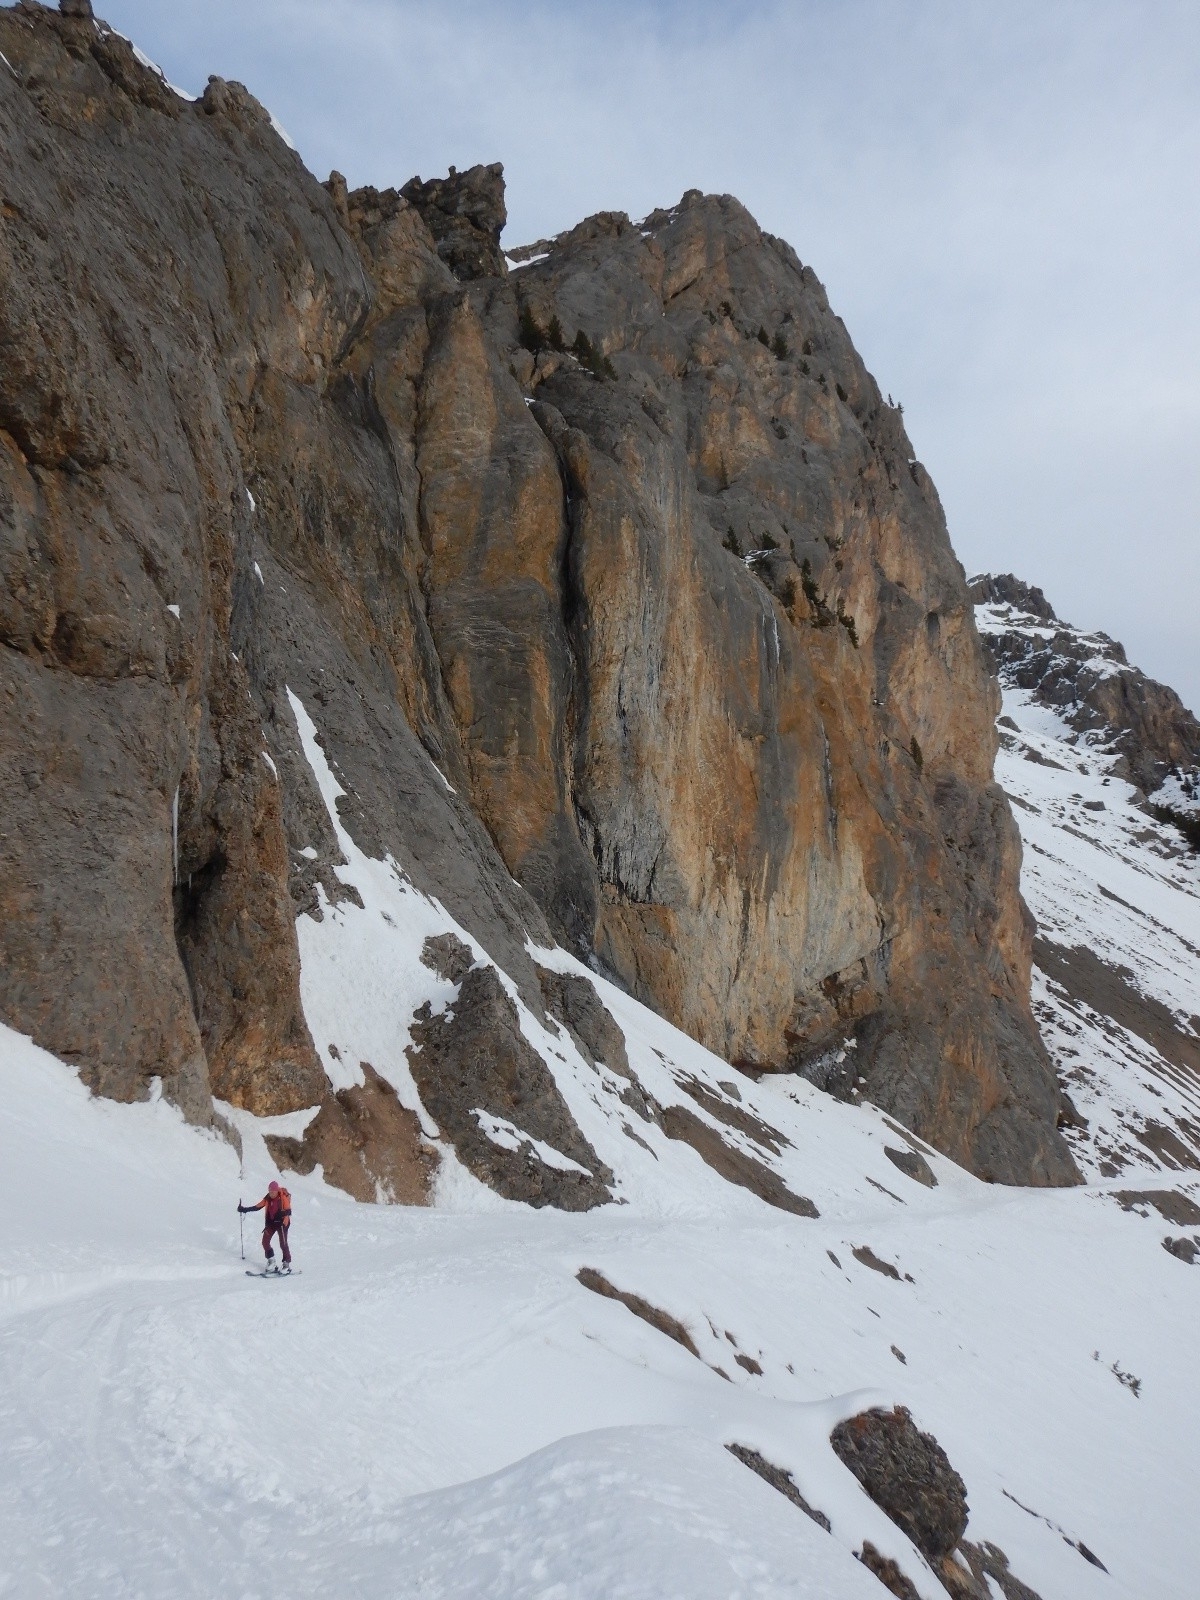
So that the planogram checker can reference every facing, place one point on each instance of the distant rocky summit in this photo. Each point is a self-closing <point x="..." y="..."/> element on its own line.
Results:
<point x="625" y="614"/>
<point x="1103" y="766"/>
<point x="1087" y="679"/>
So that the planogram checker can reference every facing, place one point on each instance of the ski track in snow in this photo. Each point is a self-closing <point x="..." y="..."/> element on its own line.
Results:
<point x="437" y="1408"/>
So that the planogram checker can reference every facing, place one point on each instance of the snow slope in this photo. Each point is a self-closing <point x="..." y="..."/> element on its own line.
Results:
<point x="1101" y="873"/>
<point x="438" y="1407"/>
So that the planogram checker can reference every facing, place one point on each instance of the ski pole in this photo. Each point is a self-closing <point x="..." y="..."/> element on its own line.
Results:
<point x="241" y="1233"/>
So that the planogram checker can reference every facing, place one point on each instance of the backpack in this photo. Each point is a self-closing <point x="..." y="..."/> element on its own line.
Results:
<point x="285" y="1204"/>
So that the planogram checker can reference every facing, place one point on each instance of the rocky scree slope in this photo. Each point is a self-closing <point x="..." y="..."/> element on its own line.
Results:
<point x="623" y="611"/>
<point x="1102" y="765"/>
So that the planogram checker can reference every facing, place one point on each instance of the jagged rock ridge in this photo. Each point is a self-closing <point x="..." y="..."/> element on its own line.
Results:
<point x="612" y="575"/>
<point x="1087" y="678"/>
<point x="1102" y="764"/>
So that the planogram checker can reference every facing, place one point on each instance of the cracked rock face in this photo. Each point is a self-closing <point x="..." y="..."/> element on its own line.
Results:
<point x="690" y="689"/>
<point x="908" y="1475"/>
<point x="613" y="575"/>
<point x="474" y="1069"/>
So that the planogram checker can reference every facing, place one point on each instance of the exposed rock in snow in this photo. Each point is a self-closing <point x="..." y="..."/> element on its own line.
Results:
<point x="1003" y="589"/>
<point x="366" y="1142"/>
<point x="662" y="1320"/>
<point x="908" y="1475"/>
<point x="574" y="1002"/>
<point x="1087" y="679"/>
<point x="778" y="1479"/>
<point x="913" y="1164"/>
<point x="474" y="1057"/>
<point x="1114" y="887"/>
<point x="867" y="1256"/>
<point x="448" y="956"/>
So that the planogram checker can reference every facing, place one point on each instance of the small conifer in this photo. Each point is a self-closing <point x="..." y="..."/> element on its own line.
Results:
<point x="531" y="335"/>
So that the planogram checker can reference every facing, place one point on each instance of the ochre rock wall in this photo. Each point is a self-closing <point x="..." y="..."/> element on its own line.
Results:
<point x="625" y="541"/>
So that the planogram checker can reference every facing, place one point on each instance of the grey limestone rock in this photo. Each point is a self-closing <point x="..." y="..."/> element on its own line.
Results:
<point x="612" y="587"/>
<point x="448" y="956"/>
<point x="474" y="1058"/>
<point x="1087" y="679"/>
<point x="465" y="213"/>
<point x="908" y="1475"/>
<point x="1005" y="589"/>
<point x="574" y="1001"/>
<point x="913" y="1164"/>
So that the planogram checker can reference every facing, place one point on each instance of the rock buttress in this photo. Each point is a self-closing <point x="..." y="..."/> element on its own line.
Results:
<point x="623" y="546"/>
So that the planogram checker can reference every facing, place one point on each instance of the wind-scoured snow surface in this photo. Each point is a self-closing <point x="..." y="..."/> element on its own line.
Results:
<point x="437" y="1407"/>
<point x="1102" y="875"/>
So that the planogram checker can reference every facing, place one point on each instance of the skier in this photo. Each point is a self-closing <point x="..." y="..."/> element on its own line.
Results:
<point x="278" y="1204"/>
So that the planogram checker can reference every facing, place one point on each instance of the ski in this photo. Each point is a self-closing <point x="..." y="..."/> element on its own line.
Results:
<point x="294" y="1273"/>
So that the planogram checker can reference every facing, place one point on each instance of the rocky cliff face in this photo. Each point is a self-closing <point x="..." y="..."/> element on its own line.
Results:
<point x="1103" y="765"/>
<point x="625" y="614"/>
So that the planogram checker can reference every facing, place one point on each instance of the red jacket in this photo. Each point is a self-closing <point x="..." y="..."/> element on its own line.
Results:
<point x="278" y="1207"/>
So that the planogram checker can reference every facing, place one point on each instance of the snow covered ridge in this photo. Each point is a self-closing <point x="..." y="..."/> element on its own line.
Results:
<point x="1110" y="877"/>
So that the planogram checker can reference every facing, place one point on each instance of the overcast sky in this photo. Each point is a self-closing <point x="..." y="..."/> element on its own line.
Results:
<point x="1000" y="198"/>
